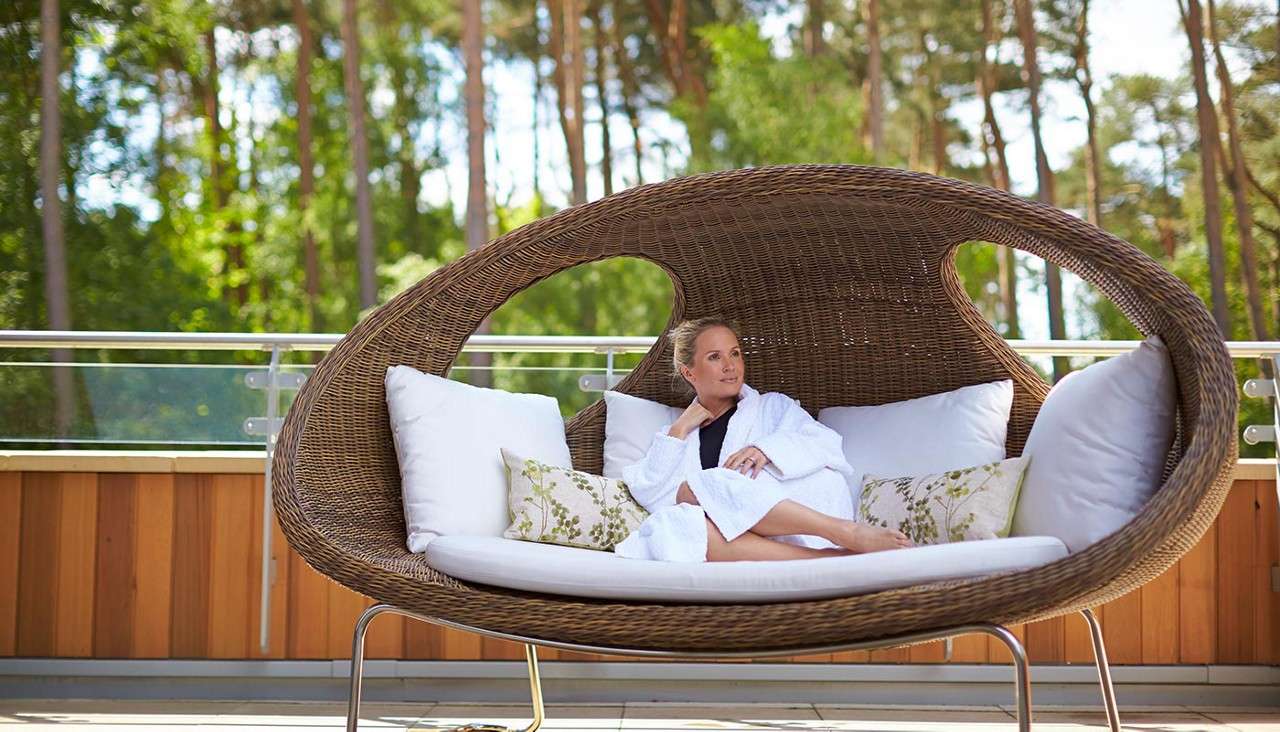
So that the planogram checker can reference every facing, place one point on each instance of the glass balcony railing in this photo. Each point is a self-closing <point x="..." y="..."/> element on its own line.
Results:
<point x="229" y="391"/>
<point x="217" y="390"/>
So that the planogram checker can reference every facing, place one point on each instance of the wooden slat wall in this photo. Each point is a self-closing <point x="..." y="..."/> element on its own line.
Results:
<point x="165" y="565"/>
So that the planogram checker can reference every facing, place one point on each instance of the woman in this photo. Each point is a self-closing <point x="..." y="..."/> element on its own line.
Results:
<point x="742" y="475"/>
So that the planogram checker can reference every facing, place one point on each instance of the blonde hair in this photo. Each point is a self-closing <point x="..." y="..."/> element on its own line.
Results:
<point x="683" y="338"/>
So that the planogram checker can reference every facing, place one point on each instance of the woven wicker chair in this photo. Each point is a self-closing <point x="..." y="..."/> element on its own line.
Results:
<point x="844" y="282"/>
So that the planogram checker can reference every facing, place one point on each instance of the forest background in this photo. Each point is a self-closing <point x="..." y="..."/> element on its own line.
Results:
<point x="287" y="165"/>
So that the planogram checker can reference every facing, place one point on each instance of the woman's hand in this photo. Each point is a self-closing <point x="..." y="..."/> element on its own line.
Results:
<point x="749" y="460"/>
<point x="695" y="415"/>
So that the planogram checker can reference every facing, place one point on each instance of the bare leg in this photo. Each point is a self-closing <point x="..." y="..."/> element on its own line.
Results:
<point x="749" y="546"/>
<point x="684" y="494"/>
<point x="789" y="517"/>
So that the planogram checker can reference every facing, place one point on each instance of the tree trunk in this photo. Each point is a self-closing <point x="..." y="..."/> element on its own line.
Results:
<point x="1238" y="182"/>
<point x="992" y="136"/>
<point x="874" y="81"/>
<point x="915" y="158"/>
<point x="57" y="300"/>
<point x="555" y="44"/>
<point x="222" y="173"/>
<point x="365" y="257"/>
<point x="220" y="170"/>
<point x="937" y="128"/>
<point x="1165" y="224"/>
<point x="814" y="44"/>
<point x="629" y="90"/>
<point x="160" y="176"/>
<point x="1209" y="140"/>
<point x="306" y="178"/>
<point x="670" y="32"/>
<point x="1084" y="78"/>
<point x="404" y="111"/>
<point x="1044" y="176"/>
<point x="537" y="138"/>
<point x="437" y="146"/>
<point x="566" y="50"/>
<point x="259" y="216"/>
<point x="55" y="281"/>
<point x="602" y="78"/>
<point x="69" y="166"/>
<point x="218" y="187"/>
<point x="575" y="84"/>
<point x="477" y="202"/>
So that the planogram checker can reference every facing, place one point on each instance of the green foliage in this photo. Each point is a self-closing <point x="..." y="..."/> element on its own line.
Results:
<point x="155" y="242"/>
<point x="620" y="296"/>
<point x="766" y="110"/>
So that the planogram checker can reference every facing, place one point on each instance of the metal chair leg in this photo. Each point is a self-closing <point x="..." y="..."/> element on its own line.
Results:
<point x="357" y="675"/>
<point x="535" y="694"/>
<point x="535" y="687"/>
<point x="357" y="663"/>
<point x="1022" y="689"/>
<point x="1022" y="676"/>
<point x="1104" y="671"/>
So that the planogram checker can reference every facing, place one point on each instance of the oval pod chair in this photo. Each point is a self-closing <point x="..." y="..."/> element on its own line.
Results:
<point x="844" y="282"/>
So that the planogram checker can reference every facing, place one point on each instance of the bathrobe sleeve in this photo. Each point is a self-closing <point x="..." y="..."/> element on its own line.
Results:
<point x="655" y="480"/>
<point x="801" y="445"/>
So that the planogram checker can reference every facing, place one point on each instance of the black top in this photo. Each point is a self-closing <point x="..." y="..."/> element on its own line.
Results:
<point x="711" y="437"/>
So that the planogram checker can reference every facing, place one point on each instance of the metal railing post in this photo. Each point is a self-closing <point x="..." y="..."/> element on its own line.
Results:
<point x="268" y="511"/>
<point x="1254" y="434"/>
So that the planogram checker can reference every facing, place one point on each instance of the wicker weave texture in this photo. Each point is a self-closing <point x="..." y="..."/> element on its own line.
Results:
<point x="843" y="280"/>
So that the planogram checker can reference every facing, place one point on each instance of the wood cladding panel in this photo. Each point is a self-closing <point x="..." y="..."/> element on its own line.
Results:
<point x="1044" y="641"/>
<point x="1120" y="618"/>
<point x="10" y="541"/>
<point x="137" y="565"/>
<point x="1198" y="601"/>
<point x="153" y="565"/>
<point x="114" y="599"/>
<point x="193" y="504"/>
<point x="38" y="563"/>
<point x="1266" y="611"/>
<point x="231" y="576"/>
<point x="279" y="588"/>
<point x="1161" y="622"/>
<point x="77" y="549"/>
<point x="1236" y="591"/>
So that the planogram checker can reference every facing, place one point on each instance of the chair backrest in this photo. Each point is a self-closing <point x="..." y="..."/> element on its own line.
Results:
<point x="842" y="278"/>
<point x="842" y="300"/>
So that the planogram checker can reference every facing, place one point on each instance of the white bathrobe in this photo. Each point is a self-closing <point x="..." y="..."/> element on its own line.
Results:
<point x="807" y="465"/>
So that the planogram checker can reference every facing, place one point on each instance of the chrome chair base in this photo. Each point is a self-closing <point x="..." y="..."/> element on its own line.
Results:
<point x="1022" y="678"/>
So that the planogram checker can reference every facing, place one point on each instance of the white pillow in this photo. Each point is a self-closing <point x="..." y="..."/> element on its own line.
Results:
<point x="1098" y="447"/>
<point x="929" y="434"/>
<point x="629" y="425"/>
<point x="448" y="437"/>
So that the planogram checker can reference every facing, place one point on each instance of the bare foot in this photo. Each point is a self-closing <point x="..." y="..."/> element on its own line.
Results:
<point x="861" y="538"/>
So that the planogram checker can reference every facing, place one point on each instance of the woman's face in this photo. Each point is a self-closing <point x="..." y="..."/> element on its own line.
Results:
<point x="717" y="368"/>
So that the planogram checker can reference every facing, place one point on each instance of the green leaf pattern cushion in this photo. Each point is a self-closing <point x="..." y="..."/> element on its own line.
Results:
<point x="555" y="505"/>
<point x="957" y="505"/>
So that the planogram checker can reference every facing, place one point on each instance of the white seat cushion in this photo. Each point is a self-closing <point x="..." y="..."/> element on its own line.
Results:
<point x="1098" y="447"/>
<point x="448" y="436"/>
<point x="562" y="570"/>
<point x="929" y="434"/>
<point x="629" y="424"/>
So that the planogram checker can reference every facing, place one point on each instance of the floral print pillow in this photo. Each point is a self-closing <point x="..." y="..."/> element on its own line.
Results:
<point x="956" y="505"/>
<point x="555" y="505"/>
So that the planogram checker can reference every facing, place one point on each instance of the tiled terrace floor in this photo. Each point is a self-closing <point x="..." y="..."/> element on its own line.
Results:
<point x="157" y="716"/>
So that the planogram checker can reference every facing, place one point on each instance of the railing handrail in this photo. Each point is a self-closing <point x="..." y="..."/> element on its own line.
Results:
<point x="109" y="339"/>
